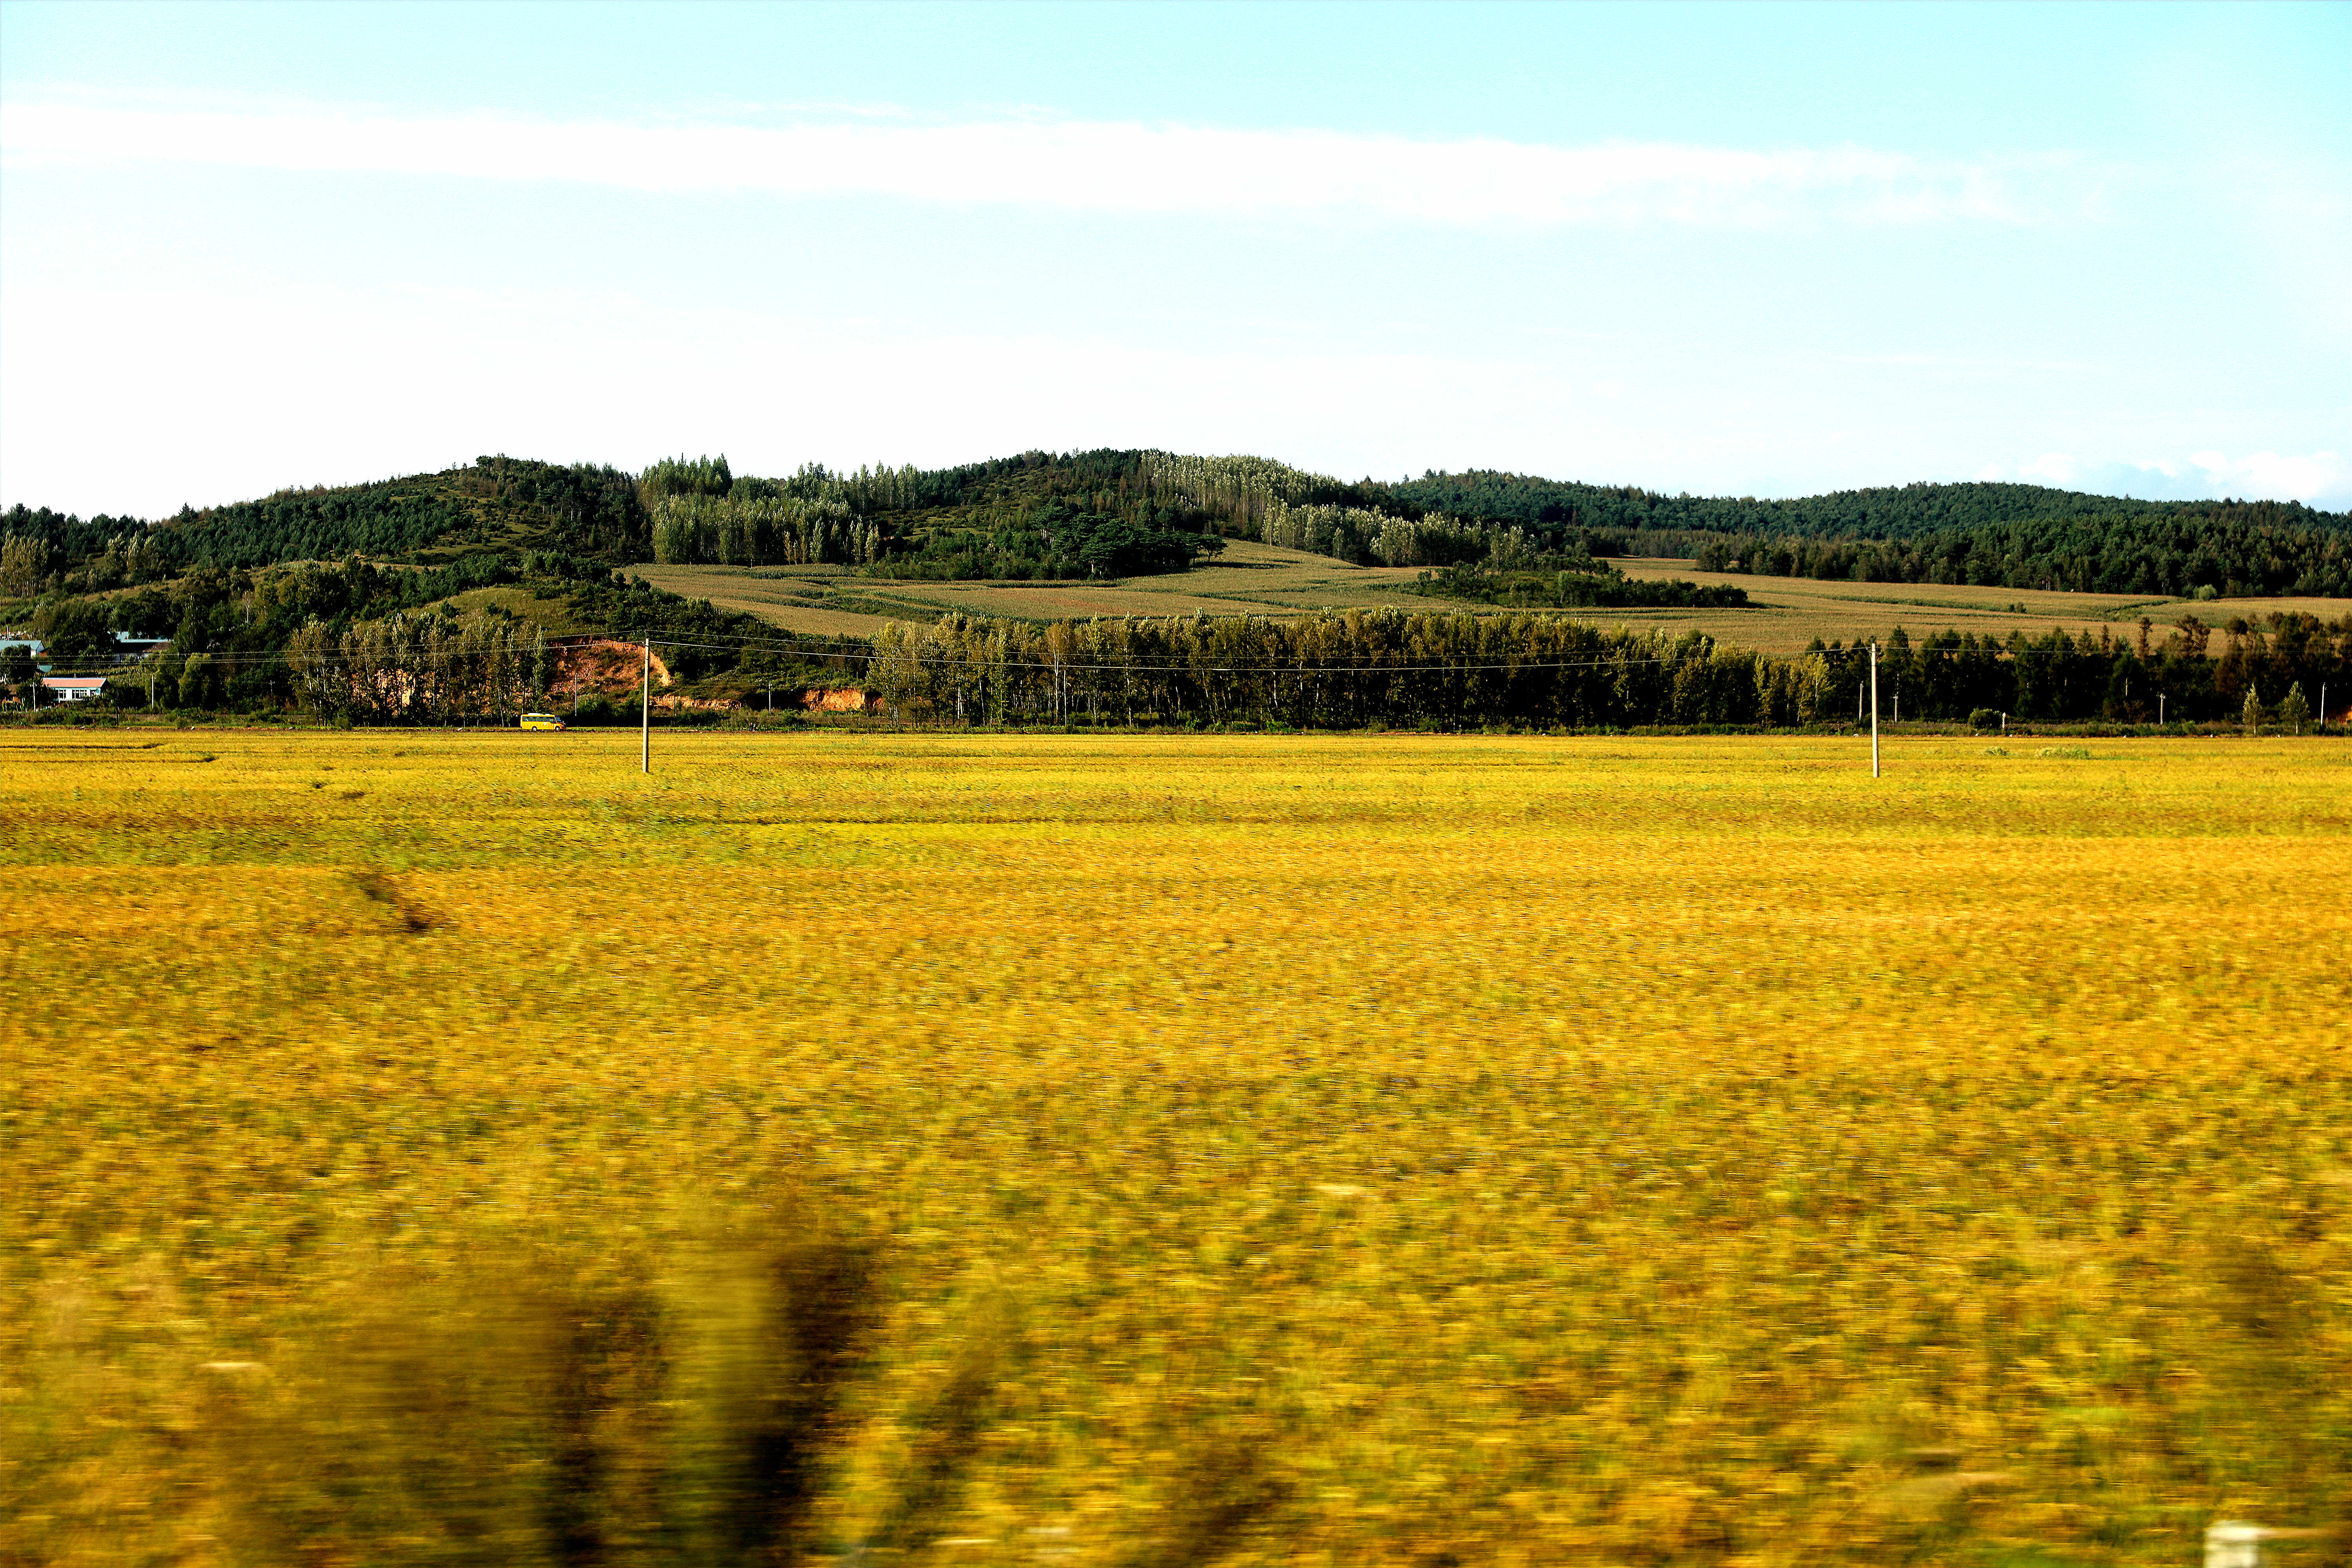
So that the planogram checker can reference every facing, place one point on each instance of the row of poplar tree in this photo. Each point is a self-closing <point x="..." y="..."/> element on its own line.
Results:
<point x="1345" y="669"/>
<point x="1365" y="667"/>
<point x="1443" y="670"/>
<point x="420" y="669"/>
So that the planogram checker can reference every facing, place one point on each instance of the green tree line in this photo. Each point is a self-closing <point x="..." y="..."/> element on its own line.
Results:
<point x="2125" y="678"/>
<point x="693" y="528"/>
<point x="1057" y="538"/>
<point x="2180" y="554"/>
<point x="1589" y="584"/>
<point x="1453" y="670"/>
<point x="1888" y="512"/>
<point x="420" y="669"/>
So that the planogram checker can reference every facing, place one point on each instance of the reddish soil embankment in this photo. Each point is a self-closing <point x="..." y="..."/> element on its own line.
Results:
<point x="616" y="668"/>
<point x="606" y="665"/>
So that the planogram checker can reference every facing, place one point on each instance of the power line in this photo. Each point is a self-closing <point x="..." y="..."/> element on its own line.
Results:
<point x="983" y="661"/>
<point x="822" y="646"/>
<point x="309" y="662"/>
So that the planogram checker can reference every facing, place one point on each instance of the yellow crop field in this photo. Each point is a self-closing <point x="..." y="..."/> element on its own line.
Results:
<point x="458" y="1148"/>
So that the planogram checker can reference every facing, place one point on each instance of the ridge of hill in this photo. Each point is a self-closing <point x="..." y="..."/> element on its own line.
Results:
<point x="1130" y="511"/>
<point x="466" y="582"/>
<point x="494" y="503"/>
<point x="1885" y="513"/>
<point x="1979" y="534"/>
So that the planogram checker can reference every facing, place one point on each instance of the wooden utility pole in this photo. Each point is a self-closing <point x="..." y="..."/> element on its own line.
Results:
<point x="645" y="713"/>
<point x="1873" y="710"/>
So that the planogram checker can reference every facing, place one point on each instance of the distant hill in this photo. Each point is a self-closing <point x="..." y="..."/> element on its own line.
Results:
<point x="1124" y="513"/>
<point x="1903" y="512"/>
<point x="1998" y="535"/>
<point x="458" y="581"/>
<point x="492" y="504"/>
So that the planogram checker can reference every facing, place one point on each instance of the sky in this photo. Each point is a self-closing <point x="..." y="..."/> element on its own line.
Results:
<point x="1743" y="250"/>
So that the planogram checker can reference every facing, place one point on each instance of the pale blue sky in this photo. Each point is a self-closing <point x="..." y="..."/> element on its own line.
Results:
<point x="1747" y="250"/>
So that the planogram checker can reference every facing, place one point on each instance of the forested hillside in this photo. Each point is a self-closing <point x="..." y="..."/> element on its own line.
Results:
<point x="1112" y="513"/>
<point x="1994" y="536"/>
<point x="1901" y="512"/>
<point x="2224" y="553"/>
<point x="247" y="594"/>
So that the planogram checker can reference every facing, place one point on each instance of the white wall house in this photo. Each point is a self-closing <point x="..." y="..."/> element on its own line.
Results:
<point x="73" y="687"/>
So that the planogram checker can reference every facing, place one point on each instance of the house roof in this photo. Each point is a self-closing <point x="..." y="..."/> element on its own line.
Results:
<point x="73" y="682"/>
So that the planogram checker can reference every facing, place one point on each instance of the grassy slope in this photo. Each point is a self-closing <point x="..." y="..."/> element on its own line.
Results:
<point x="546" y="609"/>
<point x="1787" y="613"/>
<point x="1249" y="578"/>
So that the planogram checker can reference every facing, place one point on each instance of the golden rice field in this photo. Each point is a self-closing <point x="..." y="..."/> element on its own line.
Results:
<point x="450" y="1148"/>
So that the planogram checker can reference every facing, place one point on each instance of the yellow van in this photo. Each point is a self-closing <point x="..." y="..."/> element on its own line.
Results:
<point x="542" y="721"/>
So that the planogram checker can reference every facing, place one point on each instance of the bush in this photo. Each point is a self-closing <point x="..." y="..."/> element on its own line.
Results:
<point x="1985" y="719"/>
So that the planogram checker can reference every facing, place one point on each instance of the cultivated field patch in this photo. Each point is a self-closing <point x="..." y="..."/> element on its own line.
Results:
<point x="427" y="1147"/>
<point x="1784" y="616"/>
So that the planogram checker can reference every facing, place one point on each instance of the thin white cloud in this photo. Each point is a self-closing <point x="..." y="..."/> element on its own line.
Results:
<point x="770" y="391"/>
<point x="1959" y="363"/>
<point x="2312" y="477"/>
<point x="284" y="406"/>
<point x="1093" y="166"/>
<point x="2050" y="468"/>
<point x="2316" y="478"/>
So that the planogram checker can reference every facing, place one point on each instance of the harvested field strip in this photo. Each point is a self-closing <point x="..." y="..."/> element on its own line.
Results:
<point x="1784" y="616"/>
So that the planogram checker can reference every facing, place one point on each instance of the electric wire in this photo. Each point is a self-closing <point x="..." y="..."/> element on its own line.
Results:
<point x="977" y="662"/>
